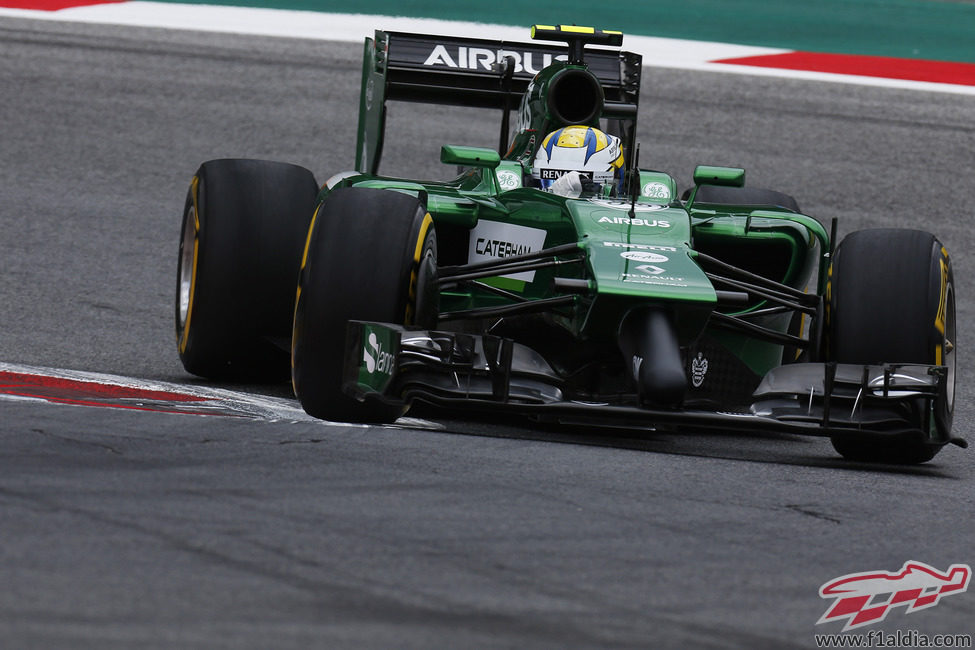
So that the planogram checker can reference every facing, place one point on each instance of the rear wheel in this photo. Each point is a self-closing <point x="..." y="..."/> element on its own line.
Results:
<point x="244" y="223"/>
<point x="891" y="299"/>
<point x="370" y="255"/>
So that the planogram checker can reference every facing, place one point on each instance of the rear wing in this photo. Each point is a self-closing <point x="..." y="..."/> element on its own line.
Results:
<point x="472" y="72"/>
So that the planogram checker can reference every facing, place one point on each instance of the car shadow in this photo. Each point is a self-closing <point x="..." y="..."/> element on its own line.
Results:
<point x="737" y="445"/>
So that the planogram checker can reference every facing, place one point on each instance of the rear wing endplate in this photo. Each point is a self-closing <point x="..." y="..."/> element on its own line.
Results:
<point x="457" y="71"/>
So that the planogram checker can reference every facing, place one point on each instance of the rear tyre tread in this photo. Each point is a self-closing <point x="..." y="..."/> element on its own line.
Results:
<point x="244" y="223"/>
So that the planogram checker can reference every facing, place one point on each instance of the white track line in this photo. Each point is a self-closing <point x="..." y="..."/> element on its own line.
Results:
<point x="225" y="402"/>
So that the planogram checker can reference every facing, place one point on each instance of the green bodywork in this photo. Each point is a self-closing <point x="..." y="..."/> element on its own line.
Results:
<point x="639" y="249"/>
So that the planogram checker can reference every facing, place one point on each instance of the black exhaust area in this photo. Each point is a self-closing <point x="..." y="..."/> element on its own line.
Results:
<point x="648" y="341"/>
<point x="575" y="97"/>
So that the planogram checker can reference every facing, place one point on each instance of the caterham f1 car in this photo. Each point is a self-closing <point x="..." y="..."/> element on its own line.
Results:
<point x="555" y="277"/>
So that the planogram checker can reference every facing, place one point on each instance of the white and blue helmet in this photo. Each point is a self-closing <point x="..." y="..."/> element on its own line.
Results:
<point x="596" y="156"/>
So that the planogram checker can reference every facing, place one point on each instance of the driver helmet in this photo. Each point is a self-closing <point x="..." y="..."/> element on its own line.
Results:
<point x="596" y="156"/>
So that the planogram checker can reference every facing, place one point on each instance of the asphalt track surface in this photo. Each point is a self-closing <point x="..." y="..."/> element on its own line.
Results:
<point x="127" y="529"/>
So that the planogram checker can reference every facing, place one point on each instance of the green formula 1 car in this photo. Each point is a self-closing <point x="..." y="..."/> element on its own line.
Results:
<point x="557" y="278"/>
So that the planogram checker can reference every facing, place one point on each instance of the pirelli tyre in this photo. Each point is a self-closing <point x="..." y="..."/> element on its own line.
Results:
<point x="370" y="255"/>
<point x="244" y="225"/>
<point x="891" y="299"/>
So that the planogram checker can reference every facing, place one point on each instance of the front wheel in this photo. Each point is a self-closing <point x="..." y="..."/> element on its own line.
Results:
<point x="891" y="299"/>
<point x="370" y="255"/>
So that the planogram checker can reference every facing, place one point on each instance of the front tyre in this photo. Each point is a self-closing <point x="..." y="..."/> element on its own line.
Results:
<point x="891" y="299"/>
<point x="370" y="255"/>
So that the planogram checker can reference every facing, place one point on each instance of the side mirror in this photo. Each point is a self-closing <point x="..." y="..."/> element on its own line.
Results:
<point x="725" y="176"/>
<point x="710" y="175"/>
<point x="453" y="154"/>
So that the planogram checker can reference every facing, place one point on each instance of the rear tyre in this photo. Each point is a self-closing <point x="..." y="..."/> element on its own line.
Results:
<point x="371" y="255"/>
<point x="244" y="224"/>
<point x="891" y="299"/>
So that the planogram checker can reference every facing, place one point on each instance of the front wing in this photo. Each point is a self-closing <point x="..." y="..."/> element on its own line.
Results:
<point x="395" y="364"/>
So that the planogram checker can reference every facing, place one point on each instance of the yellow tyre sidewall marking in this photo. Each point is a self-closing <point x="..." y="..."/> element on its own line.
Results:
<point x="939" y="320"/>
<point x="414" y="271"/>
<point x="301" y="271"/>
<point x="185" y="334"/>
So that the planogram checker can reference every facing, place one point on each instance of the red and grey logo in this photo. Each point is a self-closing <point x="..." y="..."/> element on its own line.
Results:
<point x="866" y="598"/>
